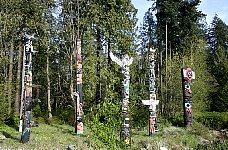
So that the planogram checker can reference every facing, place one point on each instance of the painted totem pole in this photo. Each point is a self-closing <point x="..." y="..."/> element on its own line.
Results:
<point x="152" y="102"/>
<point x="125" y="63"/>
<point x="78" y="94"/>
<point x="26" y="96"/>
<point x="187" y="77"/>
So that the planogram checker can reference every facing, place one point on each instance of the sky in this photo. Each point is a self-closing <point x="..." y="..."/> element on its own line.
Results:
<point x="208" y="7"/>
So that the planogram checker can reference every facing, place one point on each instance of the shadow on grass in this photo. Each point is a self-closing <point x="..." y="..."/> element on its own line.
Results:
<point x="14" y="126"/>
<point x="141" y="133"/>
<point x="67" y="131"/>
<point x="12" y="123"/>
<point x="7" y="135"/>
<point x="177" y="121"/>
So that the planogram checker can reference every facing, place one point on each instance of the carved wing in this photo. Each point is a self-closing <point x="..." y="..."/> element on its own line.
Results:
<point x="30" y="36"/>
<point x="146" y="102"/>
<point x="115" y="59"/>
<point x="130" y="61"/>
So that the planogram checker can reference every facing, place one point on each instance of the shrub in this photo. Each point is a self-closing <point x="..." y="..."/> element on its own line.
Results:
<point x="215" y="120"/>
<point x="177" y="120"/>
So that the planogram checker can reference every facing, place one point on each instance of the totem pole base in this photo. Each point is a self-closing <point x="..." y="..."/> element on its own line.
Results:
<point x="26" y="128"/>
<point x="79" y="128"/>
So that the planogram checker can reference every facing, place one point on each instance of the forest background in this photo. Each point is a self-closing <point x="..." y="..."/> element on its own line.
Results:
<point x="110" y="26"/>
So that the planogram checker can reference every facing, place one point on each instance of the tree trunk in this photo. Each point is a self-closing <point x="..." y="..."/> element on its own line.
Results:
<point x="109" y="49"/>
<point x="98" y="86"/>
<point x="49" y="89"/>
<point x="10" y="77"/>
<point x="17" y="97"/>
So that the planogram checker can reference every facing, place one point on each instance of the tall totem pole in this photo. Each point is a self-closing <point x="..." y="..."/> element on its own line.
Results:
<point x="77" y="96"/>
<point x="152" y="102"/>
<point x="125" y="63"/>
<point x="187" y="77"/>
<point x="26" y="96"/>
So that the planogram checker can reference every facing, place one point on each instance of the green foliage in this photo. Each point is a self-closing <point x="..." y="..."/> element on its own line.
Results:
<point x="147" y="31"/>
<point x="4" y="104"/>
<point x="12" y="121"/>
<point x="139" y="91"/>
<point x="217" y="34"/>
<point x="36" y="111"/>
<point x="219" y="70"/>
<point x="105" y="126"/>
<point x="181" y="18"/>
<point x="171" y="100"/>
<point x="215" y="120"/>
<point x="177" y="120"/>
<point x="217" y="62"/>
<point x="66" y="115"/>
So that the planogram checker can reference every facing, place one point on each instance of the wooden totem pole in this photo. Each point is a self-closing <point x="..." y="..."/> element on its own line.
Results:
<point x="26" y="96"/>
<point x="187" y="77"/>
<point x="152" y="102"/>
<point x="124" y="64"/>
<point x="77" y="96"/>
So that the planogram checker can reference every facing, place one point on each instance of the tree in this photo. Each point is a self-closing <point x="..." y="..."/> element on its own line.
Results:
<point x="217" y="35"/>
<point x="182" y="19"/>
<point x="217" y="60"/>
<point x="218" y="63"/>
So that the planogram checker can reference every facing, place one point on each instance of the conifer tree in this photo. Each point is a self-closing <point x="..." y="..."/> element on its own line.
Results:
<point x="217" y="40"/>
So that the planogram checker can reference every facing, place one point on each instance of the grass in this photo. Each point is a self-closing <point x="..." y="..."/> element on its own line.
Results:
<point x="57" y="136"/>
<point x="45" y="137"/>
<point x="178" y="138"/>
<point x="169" y="138"/>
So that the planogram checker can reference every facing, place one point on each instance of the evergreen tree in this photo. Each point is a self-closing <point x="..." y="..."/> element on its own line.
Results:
<point x="217" y="35"/>
<point x="217" y="40"/>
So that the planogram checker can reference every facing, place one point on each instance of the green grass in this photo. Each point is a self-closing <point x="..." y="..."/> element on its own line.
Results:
<point x="45" y="137"/>
<point x="169" y="138"/>
<point x="176" y="138"/>
<point x="61" y="136"/>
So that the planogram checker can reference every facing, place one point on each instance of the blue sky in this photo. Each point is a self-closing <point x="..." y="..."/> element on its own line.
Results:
<point x="209" y="7"/>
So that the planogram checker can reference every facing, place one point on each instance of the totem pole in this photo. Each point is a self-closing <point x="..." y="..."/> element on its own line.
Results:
<point x="187" y="77"/>
<point x="152" y="102"/>
<point x="26" y="96"/>
<point x="77" y="96"/>
<point x="125" y="63"/>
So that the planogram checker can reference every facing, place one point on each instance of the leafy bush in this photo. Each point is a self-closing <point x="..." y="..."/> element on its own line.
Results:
<point x="67" y="115"/>
<point x="12" y="121"/>
<point x="37" y="112"/>
<point x="177" y="120"/>
<point x="216" y="120"/>
<point x="201" y="120"/>
<point x="104" y="135"/>
<point x="105" y="126"/>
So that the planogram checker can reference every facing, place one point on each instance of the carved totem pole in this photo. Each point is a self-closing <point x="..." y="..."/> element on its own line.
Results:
<point x="152" y="102"/>
<point x="77" y="96"/>
<point x="26" y="96"/>
<point x="124" y="64"/>
<point x="187" y="77"/>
